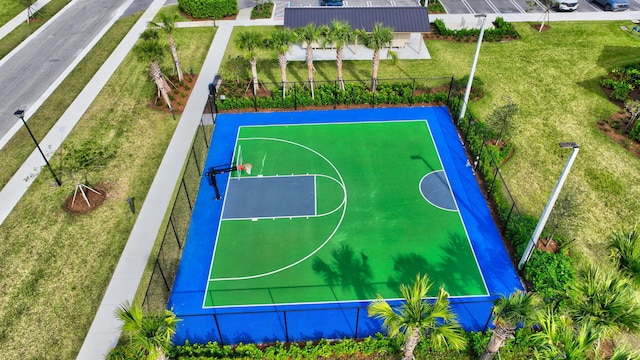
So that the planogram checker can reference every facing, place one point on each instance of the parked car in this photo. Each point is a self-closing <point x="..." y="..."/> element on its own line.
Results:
<point x="613" y="5"/>
<point x="565" y="5"/>
<point x="330" y="2"/>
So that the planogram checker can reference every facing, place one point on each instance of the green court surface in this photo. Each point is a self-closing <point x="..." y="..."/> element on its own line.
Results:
<point x="372" y="229"/>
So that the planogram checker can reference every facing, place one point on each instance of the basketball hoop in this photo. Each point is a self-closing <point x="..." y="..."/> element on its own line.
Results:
<point x="245" y="167"/>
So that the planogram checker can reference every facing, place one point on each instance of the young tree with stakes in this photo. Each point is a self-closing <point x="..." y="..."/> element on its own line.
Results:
<point x="309" y="35"/>
<point x="250" y="41"/>
<point x="379" y="38"/>
<point x="168" y="25"/>
<point x="77" y="161"/>
<point x="150" y="49"/>
<point x="338" y="34"/>
<point x="280" y="40"/>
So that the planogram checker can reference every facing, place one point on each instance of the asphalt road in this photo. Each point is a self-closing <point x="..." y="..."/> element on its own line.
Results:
<point x="26" y="75"/>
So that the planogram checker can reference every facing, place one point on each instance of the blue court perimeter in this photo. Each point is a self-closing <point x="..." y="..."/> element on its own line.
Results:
<point x="312" y="321"/>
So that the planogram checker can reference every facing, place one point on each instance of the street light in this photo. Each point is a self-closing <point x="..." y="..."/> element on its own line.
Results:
<point x="552" y="200"/>
<point x="20" y="114"/>
<point x="473" y="68"/>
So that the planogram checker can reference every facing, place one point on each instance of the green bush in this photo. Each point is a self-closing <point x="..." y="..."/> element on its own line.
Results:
<point x="262" y="10"/>
<point x="622" y="81"/>
<point x="502" y="30"/>
<point x="549" y="273"/>
<point x="635" y="132"/>
<point x="207" y="9"/>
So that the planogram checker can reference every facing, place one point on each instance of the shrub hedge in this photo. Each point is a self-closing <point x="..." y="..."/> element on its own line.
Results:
<point x="207" y="9"/>
<point x="502" y="30"/>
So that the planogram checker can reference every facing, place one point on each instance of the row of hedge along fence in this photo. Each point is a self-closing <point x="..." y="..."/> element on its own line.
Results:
<point x="239" y="95"/>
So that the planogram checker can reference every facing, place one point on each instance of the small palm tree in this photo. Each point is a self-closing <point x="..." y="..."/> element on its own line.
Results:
<point x="625" y="250"/>
<point x="559" y="338"/>
<point x="338" y="34"/>
<point x="168" y="25"/>
<point x="379" y="38"/>
<point x="309" y="34"/>
<point x="622" y="353"/>
<point x="417" y="318"/>
<point x="149" y="335"/>
<point x="280" y="40"/>
<point x="151" y="50"/>
<point x="605" y="299"/>
<point x="508" y="312"/>
<point x="250" y="41"/>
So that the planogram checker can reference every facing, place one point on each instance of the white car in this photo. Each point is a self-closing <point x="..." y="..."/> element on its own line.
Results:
<point x="565" y="5"/>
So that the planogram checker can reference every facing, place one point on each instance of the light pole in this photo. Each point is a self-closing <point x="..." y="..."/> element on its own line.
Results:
<point x="20" y="114"/>
<point x="473" y="68"/>
<point x="552" y="200"/>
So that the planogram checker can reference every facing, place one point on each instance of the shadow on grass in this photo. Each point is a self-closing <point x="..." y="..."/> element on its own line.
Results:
<point x="347" y="269"/>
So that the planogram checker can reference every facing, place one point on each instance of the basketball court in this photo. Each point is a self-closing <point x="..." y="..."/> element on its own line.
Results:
<point x="320" y="212"/>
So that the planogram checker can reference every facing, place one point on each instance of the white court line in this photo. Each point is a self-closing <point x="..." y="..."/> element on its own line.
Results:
<point x="310" y="254"/>
<point x="315" y="176"/>
<point x="429" y="201"/>
<point x="473" y="251"/>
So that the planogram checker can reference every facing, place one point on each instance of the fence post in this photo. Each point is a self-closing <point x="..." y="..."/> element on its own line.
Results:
<point x="173" y="227"/>
<point x="195" y="158"/>
<point x="295" y="98"/>
<point x="335" y="95"/>
<point x="255" y="99"/>
<point x="413" y="90"/>
<point x="187" y="193"/>
<point x="495" y="175"/>
<point x="215" y="319"/>
<point x="286" y="327"/>
<point x="355" y="336"/>
<point x="449" y="94"/>
<point x="204" y="133"/>
<point x="162" y="273"/>
<point x="506" y="222"/>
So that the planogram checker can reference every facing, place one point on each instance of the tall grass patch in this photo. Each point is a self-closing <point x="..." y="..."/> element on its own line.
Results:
<point x="56" y="265"/>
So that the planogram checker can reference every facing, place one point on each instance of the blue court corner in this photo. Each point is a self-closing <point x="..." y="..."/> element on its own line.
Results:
<point x="300" y="322"/>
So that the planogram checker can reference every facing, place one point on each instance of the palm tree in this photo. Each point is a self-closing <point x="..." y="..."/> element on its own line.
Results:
<point x="149" y="335"/>
<point x="250" y="41"/>
<point x="309" y="34"/>
<point x="622" y="353"/>
<point x="559" y="338"/>
<point x="508" y="312"/>
<point x="168" y="25"/>
<point x="280" y="40"/>
<point x="151" y="50"/>
<point x="625" y="246"/>
<point x="338" y="34"/>
<point x="417" y="318"/>
<point x="379" y="38"/>
<point x="606" y="299"/>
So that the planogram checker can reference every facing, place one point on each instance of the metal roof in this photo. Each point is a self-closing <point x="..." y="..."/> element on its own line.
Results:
<point x="413" y="19"/>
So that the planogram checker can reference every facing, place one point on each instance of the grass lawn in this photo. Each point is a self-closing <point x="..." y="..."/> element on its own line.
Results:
<point x="56" y="266"/>
<point x="23" y="31"/>
<point x="9" y="9"/>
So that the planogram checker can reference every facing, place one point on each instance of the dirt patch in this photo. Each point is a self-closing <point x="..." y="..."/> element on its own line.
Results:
<point x="179" y="94"/>
<point x="80" y="206"/>
<point x="538" y="26"/>
<point x="548" y="245"/>
<point x="615" y="126"/>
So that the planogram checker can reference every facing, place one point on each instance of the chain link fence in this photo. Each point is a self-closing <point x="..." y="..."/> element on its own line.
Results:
<point x="175" y="232"/>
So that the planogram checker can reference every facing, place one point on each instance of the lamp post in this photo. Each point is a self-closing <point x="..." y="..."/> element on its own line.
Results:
<point x="20" y="114"/>
<point x="473" y="68"/>
<point x="212" y="99"/>
<point x="552" y="200"/>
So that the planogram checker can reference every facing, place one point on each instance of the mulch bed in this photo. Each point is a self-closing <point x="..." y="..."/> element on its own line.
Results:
<point x="80" y="206"/>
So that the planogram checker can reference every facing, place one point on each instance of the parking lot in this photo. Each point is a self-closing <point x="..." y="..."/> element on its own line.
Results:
<point x="462" y="6"/>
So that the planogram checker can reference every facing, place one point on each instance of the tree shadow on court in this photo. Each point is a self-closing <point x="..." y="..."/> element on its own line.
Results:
<point x="348" y="270"/>
<point x="444" y="269"/>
